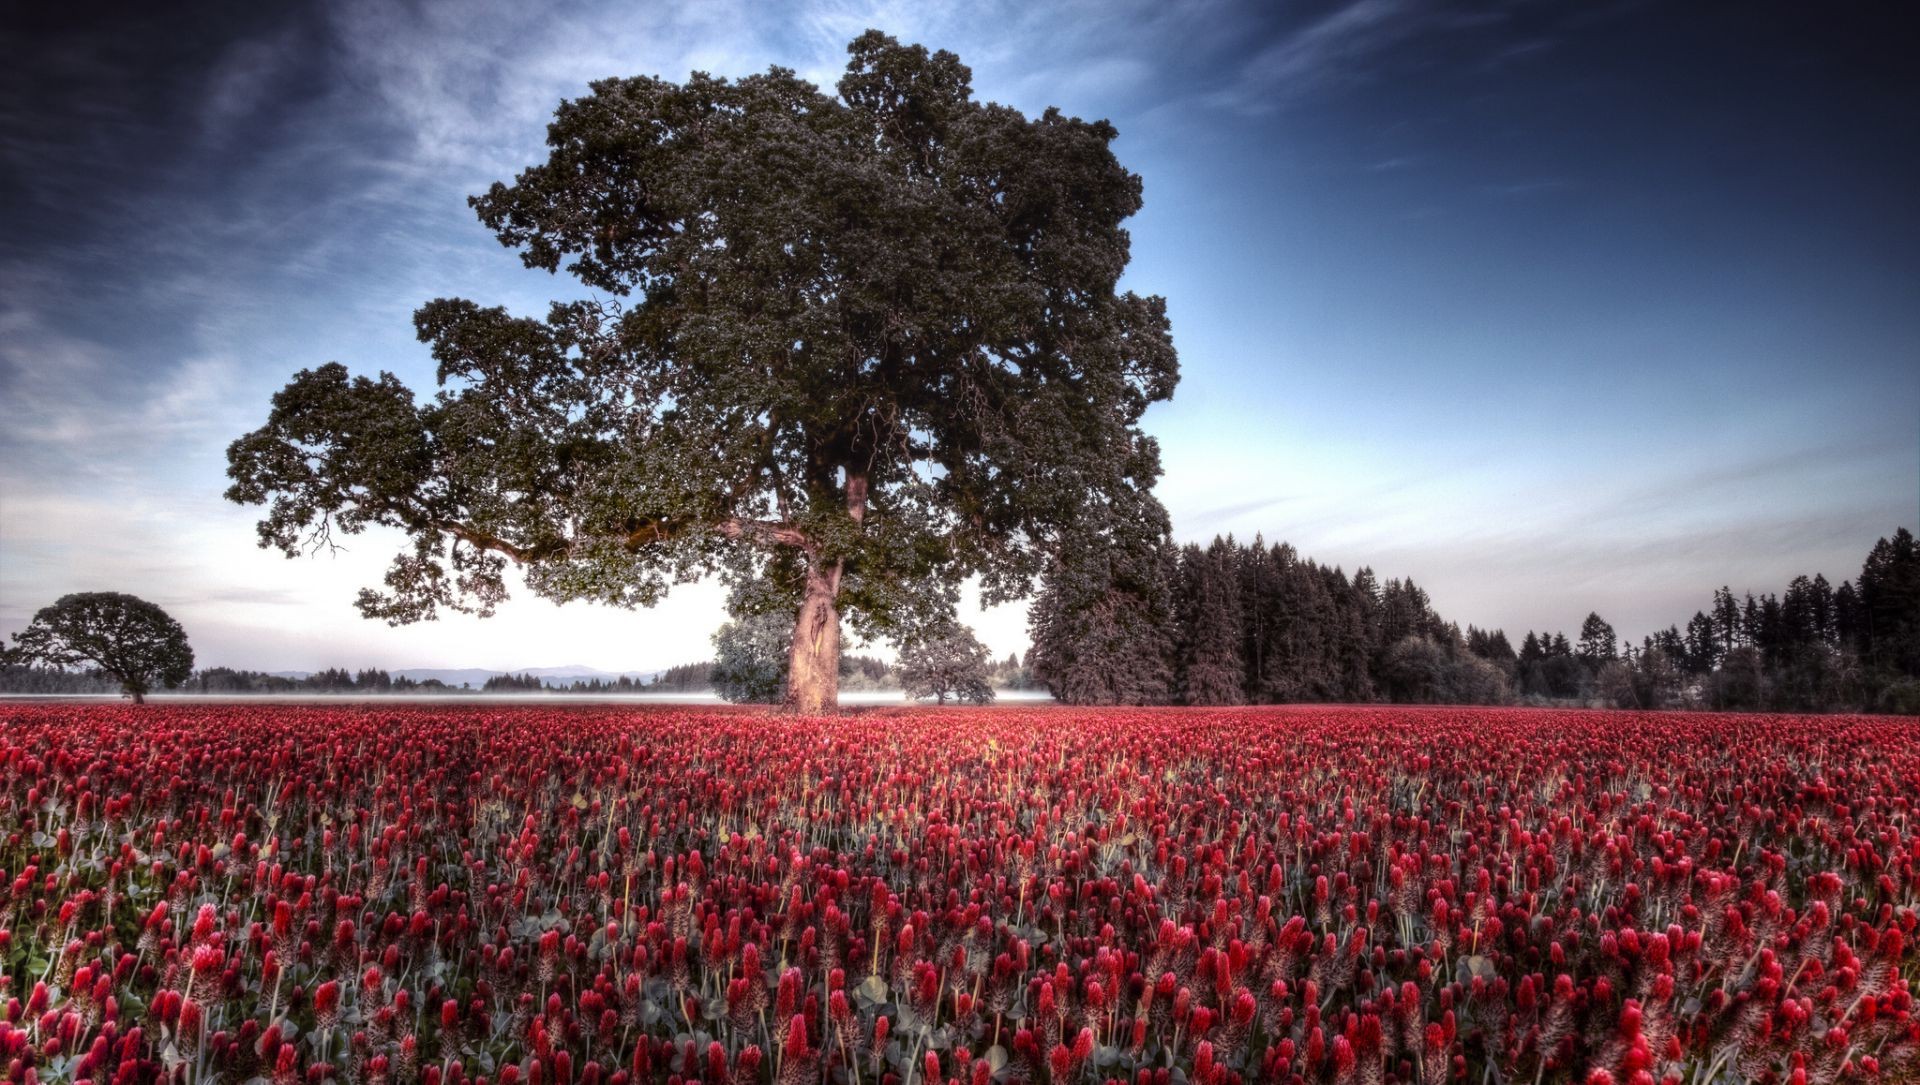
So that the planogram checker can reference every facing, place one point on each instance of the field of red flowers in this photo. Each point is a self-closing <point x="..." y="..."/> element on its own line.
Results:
<point x="381" y="895"/>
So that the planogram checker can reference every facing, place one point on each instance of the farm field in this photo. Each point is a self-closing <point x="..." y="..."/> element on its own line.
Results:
<point x="594" y="895"/>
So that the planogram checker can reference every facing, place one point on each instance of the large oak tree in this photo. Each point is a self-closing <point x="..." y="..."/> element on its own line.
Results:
<point x="117" y="635"/>
<point x="858" y="346"/>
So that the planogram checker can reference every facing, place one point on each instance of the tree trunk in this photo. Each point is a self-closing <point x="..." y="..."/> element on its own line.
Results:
<point x="813" y="660"/>
<point x="139" y="696"/>
<point x="813" y="663"/>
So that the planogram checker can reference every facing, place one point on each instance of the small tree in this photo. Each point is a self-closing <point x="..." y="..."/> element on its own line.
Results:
<point x="750" y="658"/>
<point x="125" y="638"/>
<point x="950" y="663"/>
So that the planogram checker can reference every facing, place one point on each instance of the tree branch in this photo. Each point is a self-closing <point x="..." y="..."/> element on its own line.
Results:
<point x="778" y="532"/>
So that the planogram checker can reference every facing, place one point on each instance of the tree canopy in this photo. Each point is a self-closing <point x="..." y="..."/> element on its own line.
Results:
<point x="949" y="662"/>
<point x="750" y="659"/>
<point x="860" y="345"/>
<point x="121" y="636"/>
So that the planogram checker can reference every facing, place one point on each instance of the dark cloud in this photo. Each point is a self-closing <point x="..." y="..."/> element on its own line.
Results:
<point x="108" y="109"/>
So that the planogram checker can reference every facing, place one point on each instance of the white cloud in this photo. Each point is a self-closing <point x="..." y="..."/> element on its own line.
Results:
<point x="1332" y="51"/>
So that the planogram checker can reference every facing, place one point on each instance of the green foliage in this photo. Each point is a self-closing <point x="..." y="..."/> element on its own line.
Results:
<point x="751" y="657"/>
<point x="1741" y="682"/>
<point x="1211" y="671"/>
<point x="682" y="678"/>
<point x="126" y="638"/>
<point x="1420" y="670"/>
<point x="951" y="662"/>
<point x="1887" y="628"/>
<point x="863" y="345"/>
<point x="1103" y="627"/>
<point x="1598" y="643"/>
<point x="27" y="678"/>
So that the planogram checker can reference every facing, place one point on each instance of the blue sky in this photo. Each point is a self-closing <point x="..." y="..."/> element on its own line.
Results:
<point x="1550" y="307"/>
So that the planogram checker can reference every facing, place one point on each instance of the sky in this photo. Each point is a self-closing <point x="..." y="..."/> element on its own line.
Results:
<point x="1551" y="307"/>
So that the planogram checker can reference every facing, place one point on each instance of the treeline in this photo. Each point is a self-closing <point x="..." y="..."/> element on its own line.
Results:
<point x="861" y="672"/>
<point x="19" y="678"/>
<point x="1810" y="648"/>
<point x="1233" y="623"/>
<point x="215" y="680"/>
<point x="689" y="677"/>
<point x="331" y="680"/>
<point x="685" y="678"/>
<point x="857" y="672"/>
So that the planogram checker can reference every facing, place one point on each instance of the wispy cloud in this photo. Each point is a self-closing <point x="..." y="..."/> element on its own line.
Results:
<point x="1329" y="51"/>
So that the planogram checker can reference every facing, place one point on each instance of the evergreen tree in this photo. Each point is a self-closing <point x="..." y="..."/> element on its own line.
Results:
<point x="1211" y="669"/>
<point x="1352" y="649"/>
<point x="1888" y="610"/>
<point x="1530" y="650"/>
<point x="1103" y="625"/>
<point x="1260" y="599"/>
<point x="1726" y="619"/>
<point x="1703" y="646"/>
<point x="1597" y="642"/>
<point x="1848" y="626"/>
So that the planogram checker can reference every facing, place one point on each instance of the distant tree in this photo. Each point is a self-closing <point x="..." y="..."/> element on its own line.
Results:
<point x="1532" y="664"/>
<point x="1261" y="587"/>
<point x="1103" y="625"/>
<point x="513" y="683"/>
<point x="1771" y="635"/>
<point x="1751" y="631"/>
<point x="1703" y="648"/>
<point x="1849" y="626"/>
<point x="1414" y="671"/>
<point x="1491" y="645"/>
<point x="1668" y="640"/>
<point x="1366" y="600"/>
<point x="950" y="662"/>
<point x="1352" y="648"/>
<point x="682" y="678"/>
<point x="1312" y="639"/>
<point x="1657" y="674"/>
<point x="865" y="345"/>
<point x="1211" y="667"/>
<point x="1741" y="681"/>
<point x="1726" y="620"/>
<point x="1598" y="643"/>
<point x="1613" y="683"/>
<point x="1011" y="673"/>
<point x="750" y="658"/>
<point x="1422" y="670"/>
<point x="128" y="639"/>
<point x="1888" y="608"/>
<point x="1531" y="650"/>
<point x="1405" y="611"/>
